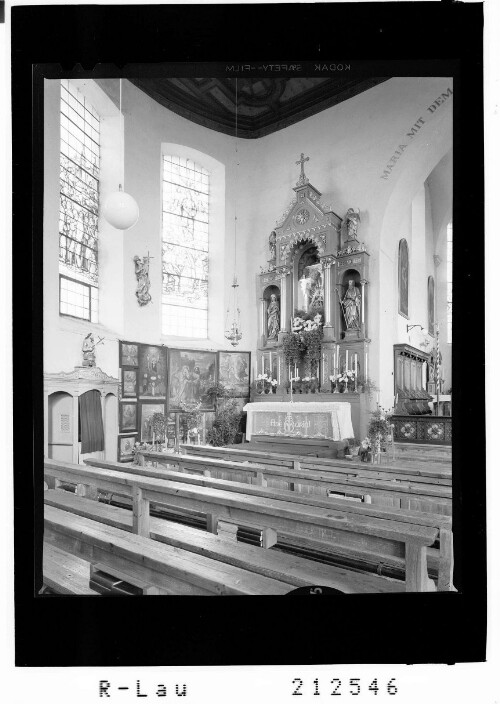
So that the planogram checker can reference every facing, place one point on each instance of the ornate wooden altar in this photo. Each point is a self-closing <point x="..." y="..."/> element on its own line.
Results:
<point x="316" y="265"/>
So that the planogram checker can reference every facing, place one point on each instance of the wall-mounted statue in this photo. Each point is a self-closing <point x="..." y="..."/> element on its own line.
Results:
<point x="273" y="318"/>
<point x="272" y="248"/>
<point x="351" y="305"/>
<point x="88" y="349"/>
<point x="352" y="223"/>
<point x="143" y="283"/>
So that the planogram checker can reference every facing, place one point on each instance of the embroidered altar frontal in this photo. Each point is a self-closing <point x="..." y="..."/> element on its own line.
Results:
<point x="330" y="421"/>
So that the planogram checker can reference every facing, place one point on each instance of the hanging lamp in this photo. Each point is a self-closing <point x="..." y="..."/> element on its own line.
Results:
<point x="233" y="331"/>
<point x="119" y="208"/>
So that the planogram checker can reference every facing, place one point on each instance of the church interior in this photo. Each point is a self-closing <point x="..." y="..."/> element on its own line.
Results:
<point x="247" y="294"/>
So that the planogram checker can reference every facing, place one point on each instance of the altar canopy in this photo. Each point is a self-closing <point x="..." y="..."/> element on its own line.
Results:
<point x="330" y="420"/>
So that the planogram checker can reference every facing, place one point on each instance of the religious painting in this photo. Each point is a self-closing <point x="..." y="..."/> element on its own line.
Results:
<point x="403" y="277"/>
<point x="129" y="354"/>
<point x="129" y="383"/>
<point x="190" y="374"/>
<point x="147" y="411"/>
<point x="234" y="372"/>
<point x="128" y="417"/>
<point x="126" y="445"/>
<point x="152" y="380"/>
<point x="430" y="305"/>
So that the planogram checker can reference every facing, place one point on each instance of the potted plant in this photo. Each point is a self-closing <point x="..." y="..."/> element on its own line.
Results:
<point x="158" y="425"/>
<point x="226" y="424"/>
<point x="379" y="430"/>
<point x="352" y="449"/>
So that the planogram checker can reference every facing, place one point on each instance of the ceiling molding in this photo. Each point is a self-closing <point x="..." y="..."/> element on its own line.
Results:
<point x="265" y="105"/>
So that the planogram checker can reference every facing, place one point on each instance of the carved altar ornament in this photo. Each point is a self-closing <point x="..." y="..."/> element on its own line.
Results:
<point x="272" y="247"/>
<point x="273" y="318"/>
<point x="351" y="305"/>
<point x="143" y="283"/>
<point x="352" y="222"/>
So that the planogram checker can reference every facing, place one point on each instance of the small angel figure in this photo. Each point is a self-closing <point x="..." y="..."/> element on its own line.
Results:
<point x="352" y="222"/>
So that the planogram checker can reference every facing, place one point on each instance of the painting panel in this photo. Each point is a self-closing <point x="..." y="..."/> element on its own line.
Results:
<point x="129" y="383"/>
<point x="129" y="354"/>
<point x="147" y="410"/>
<point x="125" y="447"/>
<point x="403" y="277"/>
<point x="152" y="381"/>
<point x="128" y="417"/>
<point x="234" y="372"/>
<point x="190" y="374"/>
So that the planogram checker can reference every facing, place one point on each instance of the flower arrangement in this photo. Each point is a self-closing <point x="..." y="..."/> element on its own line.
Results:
<point x="140" y="446"/>
<point x="303" y="344"/>
<point x="265" y="384"/>
<point x="379" y="429"/>
<point x="344" y="381"/>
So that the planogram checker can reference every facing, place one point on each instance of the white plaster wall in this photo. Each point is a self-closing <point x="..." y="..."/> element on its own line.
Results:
<point x="349" y="146"/>
<point x="63" y="336"/>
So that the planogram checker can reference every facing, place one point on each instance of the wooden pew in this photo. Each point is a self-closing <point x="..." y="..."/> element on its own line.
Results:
<point x="64" y="573"/>
<point x="171" y="570"/>
<point x="292" y="570"/>
<point x="319" y="525"/>
<point x="440" y="561"/>
<point x="417" y="471"/>
<point x="400" y="493"/>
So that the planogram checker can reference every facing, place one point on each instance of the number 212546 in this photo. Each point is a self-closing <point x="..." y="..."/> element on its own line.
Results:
<point x="338" y="687"/>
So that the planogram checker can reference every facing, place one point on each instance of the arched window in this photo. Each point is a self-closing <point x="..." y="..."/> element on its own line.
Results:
<point x="185" y="245"/>
<point x="430" y="305"/>
<point x="79" y="205"/>
<point x="449" y="279"/>
<point x="403" y="277"/>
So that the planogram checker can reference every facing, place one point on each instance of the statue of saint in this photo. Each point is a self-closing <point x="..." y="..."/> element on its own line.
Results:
<point x="273" y="318"/>
<point x="88" y="348"/>
<point x="352" y="223"/>
<point x="316" y="288"/>
<point x="143" y="283"/>
<point x="351" y="304"/>
<point x="272" y="247"/>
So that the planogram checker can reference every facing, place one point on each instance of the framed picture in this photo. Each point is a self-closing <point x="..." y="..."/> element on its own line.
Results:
<point x="152" y="379"/>
<point x="129" y="354"/>
<point x="190" y="374"/>
<point x="128" y="416"/>
<point x="234" y="371"/>
<point x="125" y="447"/>
<point x="129" y="383"/>
<point x="147" y="410"/>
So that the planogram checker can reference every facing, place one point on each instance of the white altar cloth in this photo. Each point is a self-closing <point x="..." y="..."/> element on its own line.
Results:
<point x="329" y="420"/>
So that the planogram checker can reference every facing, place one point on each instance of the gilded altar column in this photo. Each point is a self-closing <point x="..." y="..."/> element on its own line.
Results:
<point x="363" y="282"/>
<point x="284" y="273"/>
<point x="328" y="329"/>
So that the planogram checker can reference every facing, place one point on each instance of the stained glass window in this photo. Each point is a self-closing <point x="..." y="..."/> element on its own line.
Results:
<point x="79" y="201"/>
<point x="449" y="279"/>
<point x="185" y="248"/>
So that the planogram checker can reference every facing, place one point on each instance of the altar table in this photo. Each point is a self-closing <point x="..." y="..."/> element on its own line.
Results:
<point x="327" y="420"/>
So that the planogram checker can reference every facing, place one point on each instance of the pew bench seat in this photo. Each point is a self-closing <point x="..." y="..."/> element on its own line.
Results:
<point x="296" y="571"/>
<point x="171" y="569"/>
<point x="64" y="573"/>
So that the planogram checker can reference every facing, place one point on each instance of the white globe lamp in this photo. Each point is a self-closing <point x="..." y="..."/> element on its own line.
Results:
<point x="120" y="210"/>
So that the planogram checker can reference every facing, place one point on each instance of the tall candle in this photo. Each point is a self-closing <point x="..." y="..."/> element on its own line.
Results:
<point x="270" y="365"/>
<point x="346" y="360"/>
<point x="356" y="365"/>
<point x="262" y="363"/>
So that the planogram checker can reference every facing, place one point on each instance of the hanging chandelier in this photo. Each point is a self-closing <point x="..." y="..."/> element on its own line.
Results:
<point x="119" y="208"/>
<point x="233" y="331"/>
